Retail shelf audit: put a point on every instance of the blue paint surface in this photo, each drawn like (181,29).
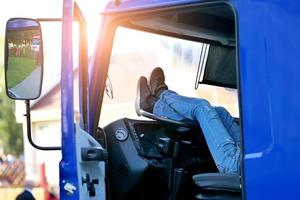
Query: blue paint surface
(131,5)
(270,71)
(68,164)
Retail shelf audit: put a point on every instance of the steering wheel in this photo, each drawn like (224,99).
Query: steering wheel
(178,125)
(166,120)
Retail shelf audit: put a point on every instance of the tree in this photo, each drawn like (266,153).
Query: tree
(11,136)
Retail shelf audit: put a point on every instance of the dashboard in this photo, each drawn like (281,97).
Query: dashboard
(145,159)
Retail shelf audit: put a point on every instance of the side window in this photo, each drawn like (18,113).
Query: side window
(136,53)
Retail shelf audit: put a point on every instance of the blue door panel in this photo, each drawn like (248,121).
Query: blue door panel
(270,70)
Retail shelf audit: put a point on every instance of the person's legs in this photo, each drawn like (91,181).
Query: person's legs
(224,150)
(229,123)
(162,109)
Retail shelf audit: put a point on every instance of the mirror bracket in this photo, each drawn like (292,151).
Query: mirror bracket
(28,122)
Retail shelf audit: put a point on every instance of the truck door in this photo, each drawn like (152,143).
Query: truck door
(82,170)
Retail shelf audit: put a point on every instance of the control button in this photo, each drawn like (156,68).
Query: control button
(121,134)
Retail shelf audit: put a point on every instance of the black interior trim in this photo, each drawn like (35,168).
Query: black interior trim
(214,83)
(174,35)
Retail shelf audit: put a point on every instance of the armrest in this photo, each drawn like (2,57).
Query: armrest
(217,181)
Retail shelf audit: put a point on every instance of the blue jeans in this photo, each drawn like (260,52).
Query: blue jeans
(221,132)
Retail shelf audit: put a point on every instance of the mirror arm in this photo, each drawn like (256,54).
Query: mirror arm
(28,120)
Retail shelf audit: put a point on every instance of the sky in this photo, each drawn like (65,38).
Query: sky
(47,9)
(28,8)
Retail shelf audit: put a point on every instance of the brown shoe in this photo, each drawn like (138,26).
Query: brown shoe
(157,81)
(144,99)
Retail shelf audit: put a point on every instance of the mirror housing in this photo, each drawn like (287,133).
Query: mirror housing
(23,59)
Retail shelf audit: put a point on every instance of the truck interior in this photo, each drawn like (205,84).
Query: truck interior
(150,157)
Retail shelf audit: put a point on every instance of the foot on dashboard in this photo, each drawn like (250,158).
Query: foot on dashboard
(144,98)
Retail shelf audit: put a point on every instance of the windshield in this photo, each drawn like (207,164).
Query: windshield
(136,53)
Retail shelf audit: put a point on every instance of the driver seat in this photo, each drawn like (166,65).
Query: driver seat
(218,186)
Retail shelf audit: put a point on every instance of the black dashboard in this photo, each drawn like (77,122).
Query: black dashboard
(152,160)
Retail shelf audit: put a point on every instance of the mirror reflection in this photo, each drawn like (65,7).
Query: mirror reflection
(24,59)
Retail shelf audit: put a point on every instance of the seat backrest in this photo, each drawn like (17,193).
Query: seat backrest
(218,186)
(218,181)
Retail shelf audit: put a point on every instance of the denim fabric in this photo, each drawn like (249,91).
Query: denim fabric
(221,132)
(229,123)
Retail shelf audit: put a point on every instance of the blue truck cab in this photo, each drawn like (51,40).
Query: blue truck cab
(242,55)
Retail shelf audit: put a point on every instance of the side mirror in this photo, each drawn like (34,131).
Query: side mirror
(24,65)
(23,59)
